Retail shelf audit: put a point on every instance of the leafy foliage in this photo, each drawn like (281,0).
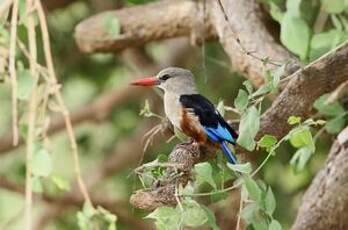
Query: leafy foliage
(298,20)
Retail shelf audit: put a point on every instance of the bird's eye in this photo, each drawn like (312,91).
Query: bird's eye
(164,77)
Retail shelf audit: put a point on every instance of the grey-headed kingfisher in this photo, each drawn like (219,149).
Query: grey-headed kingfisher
(190,112)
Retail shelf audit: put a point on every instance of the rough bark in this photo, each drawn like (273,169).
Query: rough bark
(306,85)
(166,19)
(246,38)
(325,203)
(142,24)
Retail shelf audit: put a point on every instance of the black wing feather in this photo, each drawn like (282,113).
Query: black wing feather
(205,111)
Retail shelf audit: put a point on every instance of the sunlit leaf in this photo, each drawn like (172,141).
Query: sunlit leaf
(242,168)
(166,218)
(248,128)
(253,189)
(267,141)
(301,158)
(211,218)
(294,120)
(334,6)
(61,183)
(323,108)
(25,84)
(241,102)
(248,212)
(248,86)
(335,125)
(295,35)
(41,163)
(274,225)
(301,136)
(37,185)
(193,214)
(204,173)
(269,202)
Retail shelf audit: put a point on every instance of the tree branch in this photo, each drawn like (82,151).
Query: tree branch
(242,29)
(166,19)
(325,203)
(142,24)
(306,85)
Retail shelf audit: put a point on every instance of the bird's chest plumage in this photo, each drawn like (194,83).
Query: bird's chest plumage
(173,109)
(183,119)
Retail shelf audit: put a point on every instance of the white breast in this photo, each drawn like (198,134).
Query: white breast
(172,108)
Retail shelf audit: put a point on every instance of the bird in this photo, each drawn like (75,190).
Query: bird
(190,112)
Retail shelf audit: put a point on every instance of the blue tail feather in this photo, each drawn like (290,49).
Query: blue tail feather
(228,153)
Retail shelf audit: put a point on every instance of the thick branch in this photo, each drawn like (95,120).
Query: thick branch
(316,79)
(185,156)
(325,203)
(166,19)
(142,24)
(248,24)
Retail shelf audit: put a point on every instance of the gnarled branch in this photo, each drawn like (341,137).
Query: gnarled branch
(325,203)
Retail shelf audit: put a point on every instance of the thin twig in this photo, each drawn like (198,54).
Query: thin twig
(31,120)
(12,70)
(64,110)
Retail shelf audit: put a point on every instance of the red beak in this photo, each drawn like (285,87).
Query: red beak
(149,81)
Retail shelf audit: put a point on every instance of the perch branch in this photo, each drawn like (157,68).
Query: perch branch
(325,204)
(185,155)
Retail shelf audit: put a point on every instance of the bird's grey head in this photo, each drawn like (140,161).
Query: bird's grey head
(176,80)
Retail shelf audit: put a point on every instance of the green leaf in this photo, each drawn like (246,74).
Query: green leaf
(166,218)
(322,43)
(211,218)
(276,12)
(242,168)
(294,120)
(293,7)
(112,25)
(41,163)
(25,84)
(301,136)
(37,185)
(295,35)
(261,91)
(193,215)
(61,183)
(248,86)
(267,142)
(269,202)
(249,211)
(333,6)
(204,173)
(301,158)
(335,125)
(274,225)
(323,108)
(248,128)
(241,102)
(88,209)
(253,189)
